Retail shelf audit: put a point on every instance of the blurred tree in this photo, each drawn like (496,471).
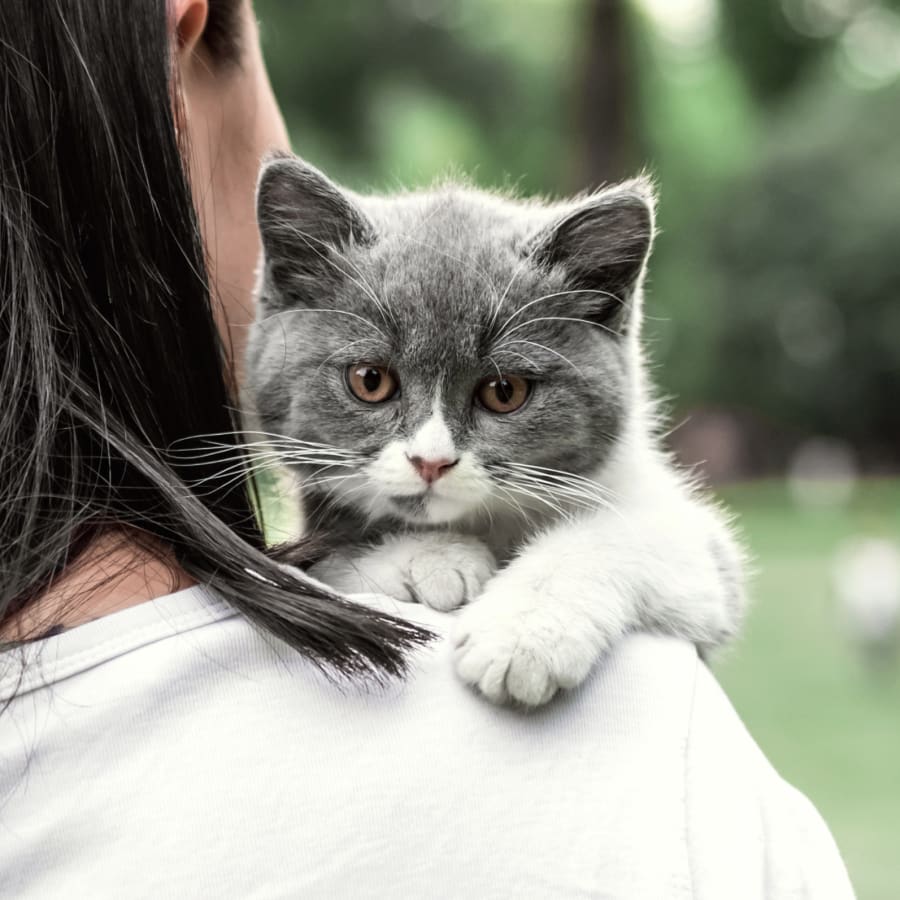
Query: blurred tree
(771,52)
(329,61)
(777,42)
(381,91)
(803,252)
(774,273)
(606,97)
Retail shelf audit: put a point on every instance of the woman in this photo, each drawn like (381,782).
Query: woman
(184,717)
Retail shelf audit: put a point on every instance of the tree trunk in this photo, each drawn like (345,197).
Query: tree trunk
(606,106)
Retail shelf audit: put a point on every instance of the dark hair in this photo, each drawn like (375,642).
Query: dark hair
(110,352)
(222,34)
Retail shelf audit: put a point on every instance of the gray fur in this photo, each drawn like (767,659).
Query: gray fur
(596,531)
(439,263)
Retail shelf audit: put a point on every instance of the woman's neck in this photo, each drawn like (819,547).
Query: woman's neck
(117,571)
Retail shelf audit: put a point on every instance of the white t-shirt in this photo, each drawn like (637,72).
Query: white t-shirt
(169,750)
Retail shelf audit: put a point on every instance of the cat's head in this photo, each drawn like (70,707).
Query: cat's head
(450,350)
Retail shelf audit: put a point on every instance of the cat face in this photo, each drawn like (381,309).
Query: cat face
(444,353)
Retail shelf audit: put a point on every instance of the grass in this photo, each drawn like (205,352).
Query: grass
(828,722)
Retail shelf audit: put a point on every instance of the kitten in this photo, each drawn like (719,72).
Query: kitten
(459,380)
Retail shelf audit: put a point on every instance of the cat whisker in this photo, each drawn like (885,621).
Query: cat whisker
(321,459)
(584,495)
(237,458)
(327,479)
(521,267)
(317,452)
(233,464)
(486,506)
(558,482)
(222,464)
(507,481)
(577,495)
(305,479)
(537,368)
(499,370)
(270,438)
(243,473)
(554,476)
(541,498)
(579,498)
(559,473)
(600,325)
(227,463)
(510,499)
(341,350)
(267,454)
(541,483)
(550,350)
(326,501)
(336,312)
(552,296)
(360,282)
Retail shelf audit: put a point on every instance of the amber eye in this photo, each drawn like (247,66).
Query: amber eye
(371,384)
(504,393)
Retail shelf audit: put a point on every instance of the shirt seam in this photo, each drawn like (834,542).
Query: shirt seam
(68,666)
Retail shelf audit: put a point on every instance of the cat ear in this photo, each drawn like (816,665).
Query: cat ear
(602,245)
(303,218)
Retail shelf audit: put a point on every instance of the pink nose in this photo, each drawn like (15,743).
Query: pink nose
(432,469)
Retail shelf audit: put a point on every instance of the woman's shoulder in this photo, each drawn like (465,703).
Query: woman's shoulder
(194,626)
(190,642)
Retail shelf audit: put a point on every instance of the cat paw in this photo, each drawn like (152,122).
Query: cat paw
(522,648)
(443,571)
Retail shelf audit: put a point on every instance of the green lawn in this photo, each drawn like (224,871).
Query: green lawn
(827,721)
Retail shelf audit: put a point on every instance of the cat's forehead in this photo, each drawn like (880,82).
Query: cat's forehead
(456,243)
(452,211)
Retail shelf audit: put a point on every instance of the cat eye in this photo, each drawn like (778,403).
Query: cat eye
(371,384)
(504,393)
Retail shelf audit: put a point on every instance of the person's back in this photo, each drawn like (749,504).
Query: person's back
(171,750)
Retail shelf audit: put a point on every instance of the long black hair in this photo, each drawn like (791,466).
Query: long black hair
(110,352)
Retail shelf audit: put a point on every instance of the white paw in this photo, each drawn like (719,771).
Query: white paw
(517,645)
(441,570)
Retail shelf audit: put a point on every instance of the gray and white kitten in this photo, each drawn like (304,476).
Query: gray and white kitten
(459,379)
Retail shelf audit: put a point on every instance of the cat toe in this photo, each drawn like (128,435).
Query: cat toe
(451,574)
(440,588)
(479,667)
(520,657)
(506,675)
(529,680)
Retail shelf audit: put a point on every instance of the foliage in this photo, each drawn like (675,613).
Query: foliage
(804,248)
(776,43)
(775,285)
(383,92)
(773,55)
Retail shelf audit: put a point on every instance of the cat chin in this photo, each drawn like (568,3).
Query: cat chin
(429,510)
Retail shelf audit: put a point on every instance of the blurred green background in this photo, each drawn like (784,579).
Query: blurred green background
(773,128)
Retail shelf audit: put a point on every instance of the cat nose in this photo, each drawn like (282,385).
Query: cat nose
(432,469)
